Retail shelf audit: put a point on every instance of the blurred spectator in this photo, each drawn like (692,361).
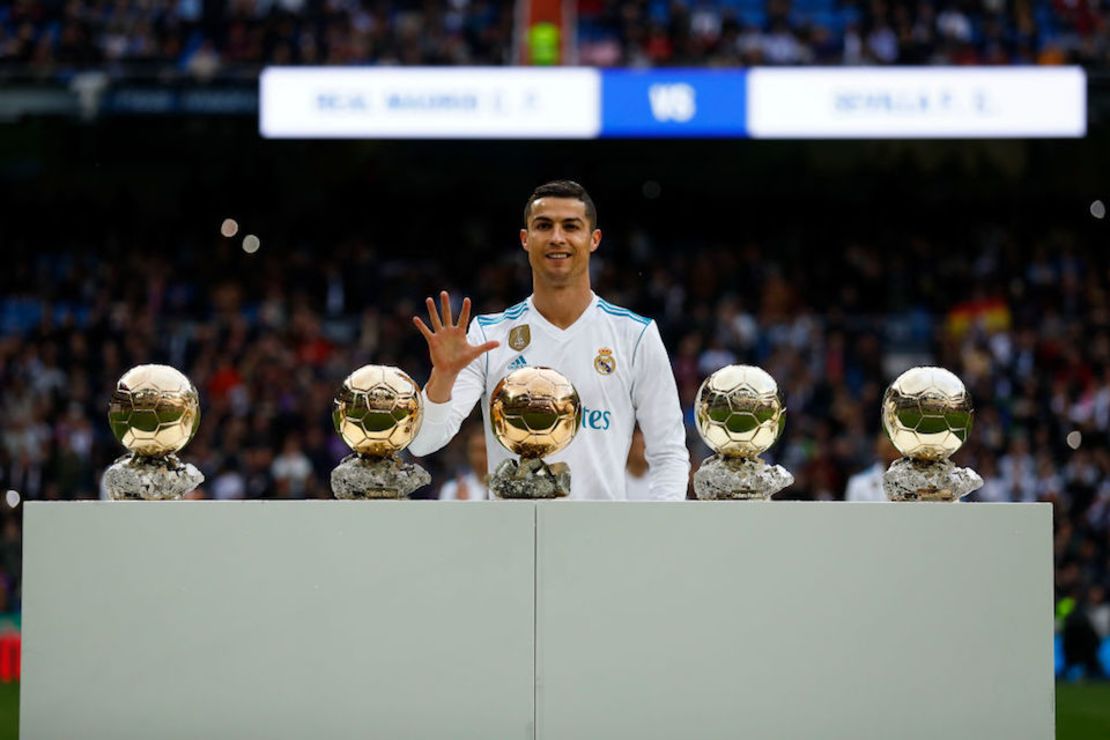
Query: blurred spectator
(229,483)
(291,469)
(1081,644)
(867,485)
(1098,611)
(470,483)
(11,563)
(1019,482)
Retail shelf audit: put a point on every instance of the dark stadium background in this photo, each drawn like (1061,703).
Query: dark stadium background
(831,264)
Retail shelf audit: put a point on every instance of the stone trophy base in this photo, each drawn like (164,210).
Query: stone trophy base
(358,477)
(739,478)
(531,478)
(922,480)
(135,477)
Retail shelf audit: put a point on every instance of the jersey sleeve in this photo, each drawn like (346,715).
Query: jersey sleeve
(659,414)
(442,420)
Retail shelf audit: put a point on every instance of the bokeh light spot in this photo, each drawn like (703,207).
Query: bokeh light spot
(1074,439)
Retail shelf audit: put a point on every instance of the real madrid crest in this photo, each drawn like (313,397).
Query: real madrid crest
(605,363)
(520,337)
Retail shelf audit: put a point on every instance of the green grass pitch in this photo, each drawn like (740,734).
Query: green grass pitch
(1082,711)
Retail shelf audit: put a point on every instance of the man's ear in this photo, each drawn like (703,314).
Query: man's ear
(524,239)
(595,240)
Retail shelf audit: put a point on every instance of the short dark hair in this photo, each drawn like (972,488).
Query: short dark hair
(562,189)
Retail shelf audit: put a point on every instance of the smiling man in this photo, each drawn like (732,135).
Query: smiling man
(614,358)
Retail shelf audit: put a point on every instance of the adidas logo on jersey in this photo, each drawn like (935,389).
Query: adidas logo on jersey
(518,363)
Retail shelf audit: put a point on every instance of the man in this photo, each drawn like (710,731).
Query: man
(614,358)
(471,485)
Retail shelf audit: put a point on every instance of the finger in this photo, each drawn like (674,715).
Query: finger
(464,313)
(445,301)
(422,327)
(433,315)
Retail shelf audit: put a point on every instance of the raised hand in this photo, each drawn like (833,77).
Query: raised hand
(448,346)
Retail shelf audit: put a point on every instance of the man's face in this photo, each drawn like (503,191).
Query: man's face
(559,240)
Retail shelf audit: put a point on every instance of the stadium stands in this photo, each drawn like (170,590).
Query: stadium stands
(832,32)
(191,39)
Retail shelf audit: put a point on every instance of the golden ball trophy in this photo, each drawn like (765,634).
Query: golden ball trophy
(534,412)
(739,413)
(154,412)
(927,413)
(377,413)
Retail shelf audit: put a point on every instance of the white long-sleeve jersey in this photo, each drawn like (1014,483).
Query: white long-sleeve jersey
(617,363)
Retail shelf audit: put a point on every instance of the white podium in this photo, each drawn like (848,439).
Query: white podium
(796,621)
(273,620)
(556,620)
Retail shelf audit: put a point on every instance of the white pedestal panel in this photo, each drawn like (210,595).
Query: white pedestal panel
(322,619)
(794,620)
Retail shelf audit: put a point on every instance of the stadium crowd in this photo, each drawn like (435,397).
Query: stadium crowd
(165,39)
(833,32)
(267,338)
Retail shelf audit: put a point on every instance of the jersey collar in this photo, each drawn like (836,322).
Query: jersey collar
(550,328)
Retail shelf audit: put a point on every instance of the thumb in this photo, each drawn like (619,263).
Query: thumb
(477,350)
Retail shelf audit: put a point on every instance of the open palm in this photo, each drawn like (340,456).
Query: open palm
(447,343)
